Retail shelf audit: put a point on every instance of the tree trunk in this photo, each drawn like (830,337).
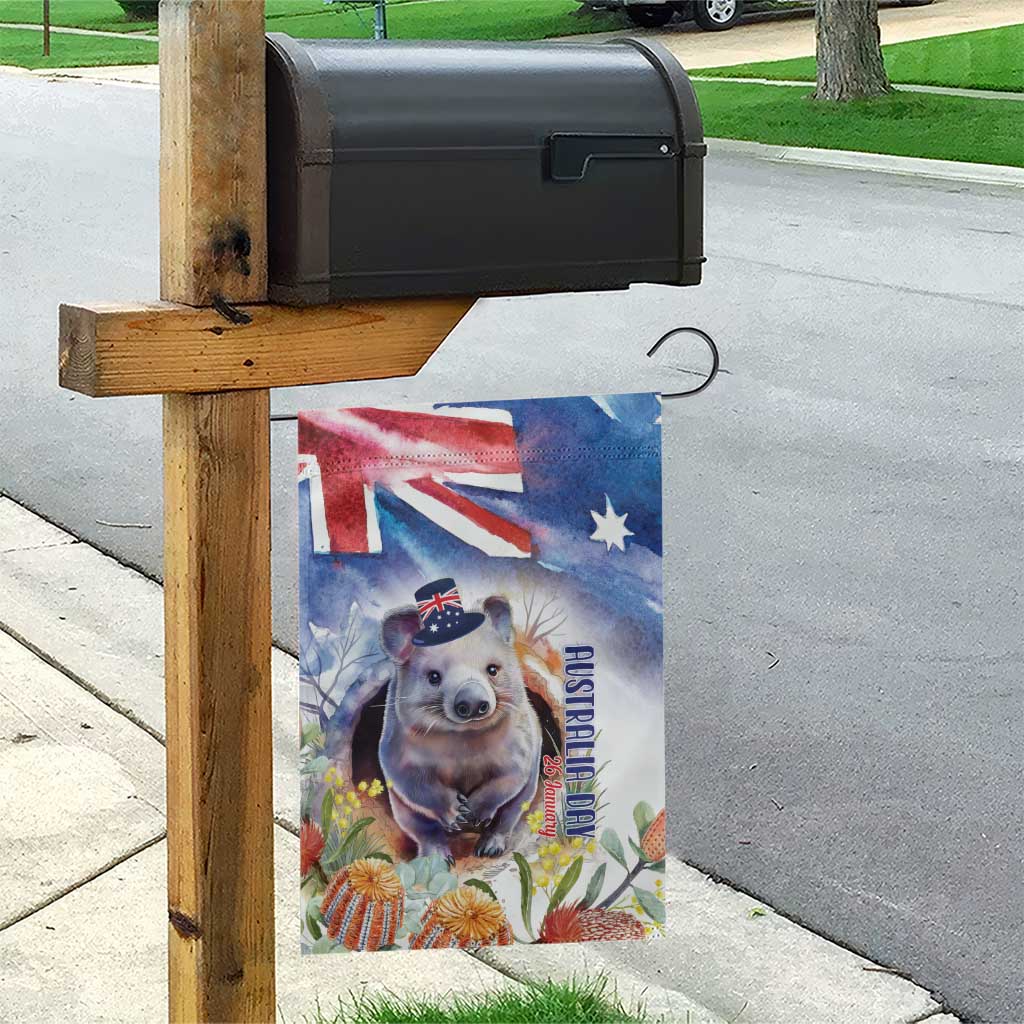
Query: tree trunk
(848,50)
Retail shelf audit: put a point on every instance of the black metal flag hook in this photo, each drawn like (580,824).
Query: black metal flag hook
(708,340)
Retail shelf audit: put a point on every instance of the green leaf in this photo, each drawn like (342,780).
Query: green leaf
(653,907)
(314,927)
(354,831)
(379,855)
(407,873)
(482,886)
(643,815)
(311,734)
(757,912)
(525,890)
(640,853)
(323,945)
(572,873)
(423,870)
(327,812)
(315,767)
(611,842)
(595,886)
(442,882)
(657,866)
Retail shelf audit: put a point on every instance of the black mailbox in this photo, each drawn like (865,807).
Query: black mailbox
(408,168)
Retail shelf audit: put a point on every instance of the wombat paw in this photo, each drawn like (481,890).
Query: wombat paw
(491,845)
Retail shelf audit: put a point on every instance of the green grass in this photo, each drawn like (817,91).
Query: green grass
(309,19)
(552,1003)
(458,19)
(992,58)
(443,19)
(105,15)
(904,124)
(24,47)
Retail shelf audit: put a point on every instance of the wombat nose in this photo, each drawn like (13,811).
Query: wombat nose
(472,701)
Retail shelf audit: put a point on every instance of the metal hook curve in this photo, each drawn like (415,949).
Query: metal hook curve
(708,340)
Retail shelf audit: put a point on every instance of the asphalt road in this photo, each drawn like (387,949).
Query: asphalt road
(843,506)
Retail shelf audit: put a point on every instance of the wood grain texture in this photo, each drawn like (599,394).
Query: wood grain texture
(216,517)
(213,217)
(110,350)
(219,752)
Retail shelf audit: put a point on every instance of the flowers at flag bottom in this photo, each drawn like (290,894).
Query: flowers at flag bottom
(572,922)
(364,904)
(466,917)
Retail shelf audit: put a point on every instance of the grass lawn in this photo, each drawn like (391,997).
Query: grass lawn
(24,47)
(586,1003)
(98,14)
(457,19)
(992,58)
(443,19)
(904,124)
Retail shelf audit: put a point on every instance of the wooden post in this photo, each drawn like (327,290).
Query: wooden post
(214,367)
(216,527)
(46,28)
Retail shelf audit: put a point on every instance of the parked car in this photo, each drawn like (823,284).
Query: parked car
(712,15)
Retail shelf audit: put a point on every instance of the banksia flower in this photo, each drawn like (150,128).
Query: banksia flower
(574,923)
(653,843)
(364,904)
(465,918)
(311,845)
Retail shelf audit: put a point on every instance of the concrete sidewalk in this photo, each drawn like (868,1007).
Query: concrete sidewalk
(82,851)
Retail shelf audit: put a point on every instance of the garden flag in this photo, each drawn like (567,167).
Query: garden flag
(481,698)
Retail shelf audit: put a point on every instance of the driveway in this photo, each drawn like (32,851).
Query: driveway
(843,535)
(778,36)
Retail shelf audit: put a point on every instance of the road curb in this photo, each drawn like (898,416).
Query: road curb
(724,953)
(884,163)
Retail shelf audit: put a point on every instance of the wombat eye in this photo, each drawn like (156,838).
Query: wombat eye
(492,670)
(434,678)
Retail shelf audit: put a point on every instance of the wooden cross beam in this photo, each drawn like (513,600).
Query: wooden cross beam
(215,375)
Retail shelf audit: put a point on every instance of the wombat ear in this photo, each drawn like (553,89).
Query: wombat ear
(397,631)
(499,611)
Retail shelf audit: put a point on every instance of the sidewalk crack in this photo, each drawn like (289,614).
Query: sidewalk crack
(50,900)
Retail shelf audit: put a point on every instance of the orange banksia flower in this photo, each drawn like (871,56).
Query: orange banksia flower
(364,904)
(311,845)
(653,843)
(465,918)
(573,923)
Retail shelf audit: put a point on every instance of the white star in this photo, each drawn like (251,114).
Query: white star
(611,528)
(433,628)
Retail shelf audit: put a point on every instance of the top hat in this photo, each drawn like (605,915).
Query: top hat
(442,617)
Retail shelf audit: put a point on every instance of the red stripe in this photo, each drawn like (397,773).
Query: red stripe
(493,524)
(345,507)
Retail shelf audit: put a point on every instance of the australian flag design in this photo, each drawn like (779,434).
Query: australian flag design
(560,492)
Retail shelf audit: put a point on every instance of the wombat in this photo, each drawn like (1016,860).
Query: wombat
(461,744)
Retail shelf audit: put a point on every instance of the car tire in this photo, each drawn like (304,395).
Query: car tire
(649,15)
(717,15)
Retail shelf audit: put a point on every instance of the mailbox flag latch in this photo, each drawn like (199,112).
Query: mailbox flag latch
(570,154)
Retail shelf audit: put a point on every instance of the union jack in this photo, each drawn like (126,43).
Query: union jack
(435,605)
(347,454)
